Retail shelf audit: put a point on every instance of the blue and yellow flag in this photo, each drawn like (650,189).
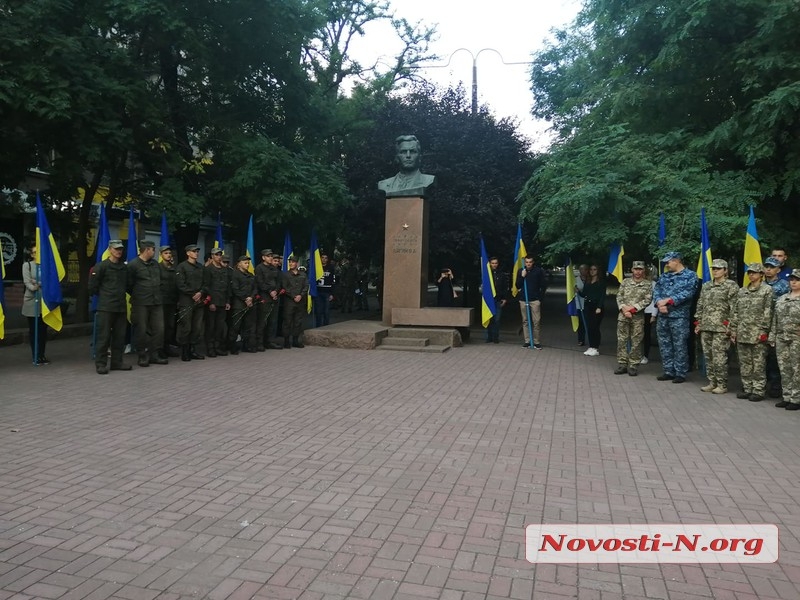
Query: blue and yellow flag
(218,241)
(2,293)
(101,249)
(704,262)
(519,260)
(488,307)
(250,247)
(132,251)
(51,270)
(615,261)
(662,230)
(315,269)
(287,251)
(572,306)
(752,249)
(164,239)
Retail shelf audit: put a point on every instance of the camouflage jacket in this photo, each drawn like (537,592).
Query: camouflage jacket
(779,287)
(786,320)
(637,294)
(716,304)
(753,314)
(681,288)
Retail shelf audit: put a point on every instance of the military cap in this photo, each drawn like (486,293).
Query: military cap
(164,248)
(292,258)
(266,252)
(755,267)
(243,257)
(638,264)
(216,251)
(718,262)
(116,244)
(672,256)
(146,244)
(191,248)
(795,274)
(226,258)
(772,262)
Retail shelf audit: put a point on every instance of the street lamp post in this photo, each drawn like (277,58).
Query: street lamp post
(474,69)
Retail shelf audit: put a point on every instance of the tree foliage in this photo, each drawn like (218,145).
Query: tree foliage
(667,107)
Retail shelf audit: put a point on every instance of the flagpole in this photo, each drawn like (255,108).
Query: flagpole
(37,298)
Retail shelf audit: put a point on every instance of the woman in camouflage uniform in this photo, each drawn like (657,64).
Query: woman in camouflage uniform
(712,319)
(785,336)
(750,331)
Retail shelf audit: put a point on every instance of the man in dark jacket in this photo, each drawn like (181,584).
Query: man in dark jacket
(109,282)
(264,303)
(243,314)
(217,284)
(189,280)
(322,303)
(169,298)
(533,281)
(295,282)
(147,314)
(500,295)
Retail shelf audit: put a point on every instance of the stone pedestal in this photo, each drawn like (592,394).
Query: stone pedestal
(405,258)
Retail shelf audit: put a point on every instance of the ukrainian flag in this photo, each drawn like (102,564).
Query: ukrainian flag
(287,251)
(164,239)
(519,259)
(615,261)
(315,269)
(704,262)
(572,306)
(132,251)
(250,248)
(752,249)
(51,270)
(218,241)
(488,307)
(101,249)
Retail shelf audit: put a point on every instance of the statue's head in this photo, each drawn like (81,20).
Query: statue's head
(409,152)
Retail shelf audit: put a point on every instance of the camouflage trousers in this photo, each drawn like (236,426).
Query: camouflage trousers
(630,330)
(752,367)
(789,363)
(715,351)
(673,344)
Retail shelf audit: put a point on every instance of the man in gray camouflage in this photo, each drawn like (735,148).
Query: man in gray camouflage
(785,335)
(750,330)
(712,322)
(635,293)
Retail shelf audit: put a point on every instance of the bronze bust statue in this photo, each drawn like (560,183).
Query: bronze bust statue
(409,181)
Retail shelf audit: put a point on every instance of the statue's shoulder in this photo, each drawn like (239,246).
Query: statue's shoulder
(427,179)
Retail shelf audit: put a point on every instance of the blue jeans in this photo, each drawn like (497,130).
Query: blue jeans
(322,309)
(493,329)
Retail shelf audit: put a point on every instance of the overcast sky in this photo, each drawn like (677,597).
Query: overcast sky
(515,28)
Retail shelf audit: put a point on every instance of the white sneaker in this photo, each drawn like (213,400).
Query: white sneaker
(644,361)
(595,352)
(588,352)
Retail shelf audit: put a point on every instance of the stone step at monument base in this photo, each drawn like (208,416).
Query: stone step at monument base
(414,342)
(428,348)
(440,336)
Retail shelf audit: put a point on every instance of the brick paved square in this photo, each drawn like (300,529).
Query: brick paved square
(329,473)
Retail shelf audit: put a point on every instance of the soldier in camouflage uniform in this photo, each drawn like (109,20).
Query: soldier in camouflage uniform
(712,321)
(785,335)
(750,330)
(780,286)
(634,295)
(673,295)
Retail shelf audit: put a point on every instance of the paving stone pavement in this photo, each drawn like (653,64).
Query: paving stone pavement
(323,474)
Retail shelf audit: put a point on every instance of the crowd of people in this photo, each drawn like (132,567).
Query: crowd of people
(761,320)
(198,309)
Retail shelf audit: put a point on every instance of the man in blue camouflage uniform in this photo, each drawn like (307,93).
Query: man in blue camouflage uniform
(673,294)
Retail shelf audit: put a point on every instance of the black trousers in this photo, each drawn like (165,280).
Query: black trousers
(216,328)
(190,323)
(243,322)
(111,328)
(293,315)
(148,322)
(32,337)
(593,320)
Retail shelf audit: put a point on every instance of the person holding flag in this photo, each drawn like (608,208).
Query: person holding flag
(108,280)
(532,282)
(30,308)
(500,281)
